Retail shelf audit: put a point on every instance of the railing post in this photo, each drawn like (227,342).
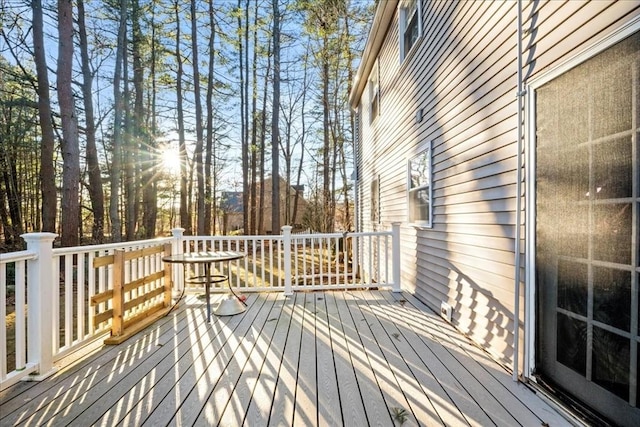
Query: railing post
(286,242)
(40,294)
(395,255)
(117,322)
(177,247)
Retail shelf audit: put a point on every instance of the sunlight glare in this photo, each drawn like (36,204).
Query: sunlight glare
(171,161)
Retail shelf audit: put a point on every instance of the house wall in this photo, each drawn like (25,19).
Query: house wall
(267,210)
(462,75)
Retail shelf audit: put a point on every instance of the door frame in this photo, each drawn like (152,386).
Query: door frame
(532,85)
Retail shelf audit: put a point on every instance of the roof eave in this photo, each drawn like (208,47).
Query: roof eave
(379,28)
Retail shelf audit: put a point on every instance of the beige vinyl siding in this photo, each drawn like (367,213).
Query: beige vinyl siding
(462,74)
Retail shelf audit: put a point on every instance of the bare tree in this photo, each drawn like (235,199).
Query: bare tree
(210,159)
(116,162)
(275,129)
(142,143)
(243,115)
(47,169)
(303,132)
(263,139)
(254,125)
(70,145)
(96,195)
(185,211)
(199,134)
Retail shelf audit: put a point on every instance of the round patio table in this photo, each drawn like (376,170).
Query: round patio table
(207,259)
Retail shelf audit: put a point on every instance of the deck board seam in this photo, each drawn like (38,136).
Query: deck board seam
(433,350)
(474,355)
(108,358)
(260,360)
(278,355)
(138,368)
(171,368)
(383,339)
(339,326)
(242,317)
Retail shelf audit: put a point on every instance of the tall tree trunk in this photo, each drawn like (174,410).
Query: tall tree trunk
(185,216)
(275,131)
(11,192)
(131,157)
(210,160)
(47,169)
(326,193)
(144,143)
(345,178)
(116,163)
(243,127)
(199,136)
(70,146)
(263,137)
(254,124)
(93,166)
(303,135)
(288,155)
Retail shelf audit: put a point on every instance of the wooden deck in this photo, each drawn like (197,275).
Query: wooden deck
(317,358)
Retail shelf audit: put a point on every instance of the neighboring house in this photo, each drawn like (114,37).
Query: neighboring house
(232,209)
(295,191)
(232,212)
(437,96)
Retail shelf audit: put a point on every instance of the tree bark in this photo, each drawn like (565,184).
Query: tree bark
(143,143)
(254,125)
(243,127)
(96,195)
(263,138)
(199,134)
(185,217)
(210,159)
(326,193)
(47,169)
(116,162)
(303,135)
(275,131)
(70,146)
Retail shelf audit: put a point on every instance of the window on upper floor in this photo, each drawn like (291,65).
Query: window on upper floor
(374,93)
(420,189)
(410,26)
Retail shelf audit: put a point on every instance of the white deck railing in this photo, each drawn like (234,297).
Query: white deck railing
(51,289)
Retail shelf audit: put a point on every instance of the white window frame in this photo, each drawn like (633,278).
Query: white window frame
(406,14)
(425,154)
(374,92)
(375,201)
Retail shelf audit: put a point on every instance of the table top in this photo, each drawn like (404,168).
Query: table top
(203,257)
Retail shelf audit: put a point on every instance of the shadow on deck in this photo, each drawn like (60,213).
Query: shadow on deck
(316,358)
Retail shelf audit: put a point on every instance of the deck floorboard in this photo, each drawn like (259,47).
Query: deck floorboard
(352,358)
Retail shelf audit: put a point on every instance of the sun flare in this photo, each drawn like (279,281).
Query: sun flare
(171,161)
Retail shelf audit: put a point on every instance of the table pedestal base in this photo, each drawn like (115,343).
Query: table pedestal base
(228,306)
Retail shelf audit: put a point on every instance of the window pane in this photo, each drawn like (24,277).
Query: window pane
(611,97)
(613,233)
(572,294)
(420,170)
(375,196)
(419,187)
(411,33)
(611,362)
(612,297)
(419,205)
(409,26)
(572,333)
(613,169)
